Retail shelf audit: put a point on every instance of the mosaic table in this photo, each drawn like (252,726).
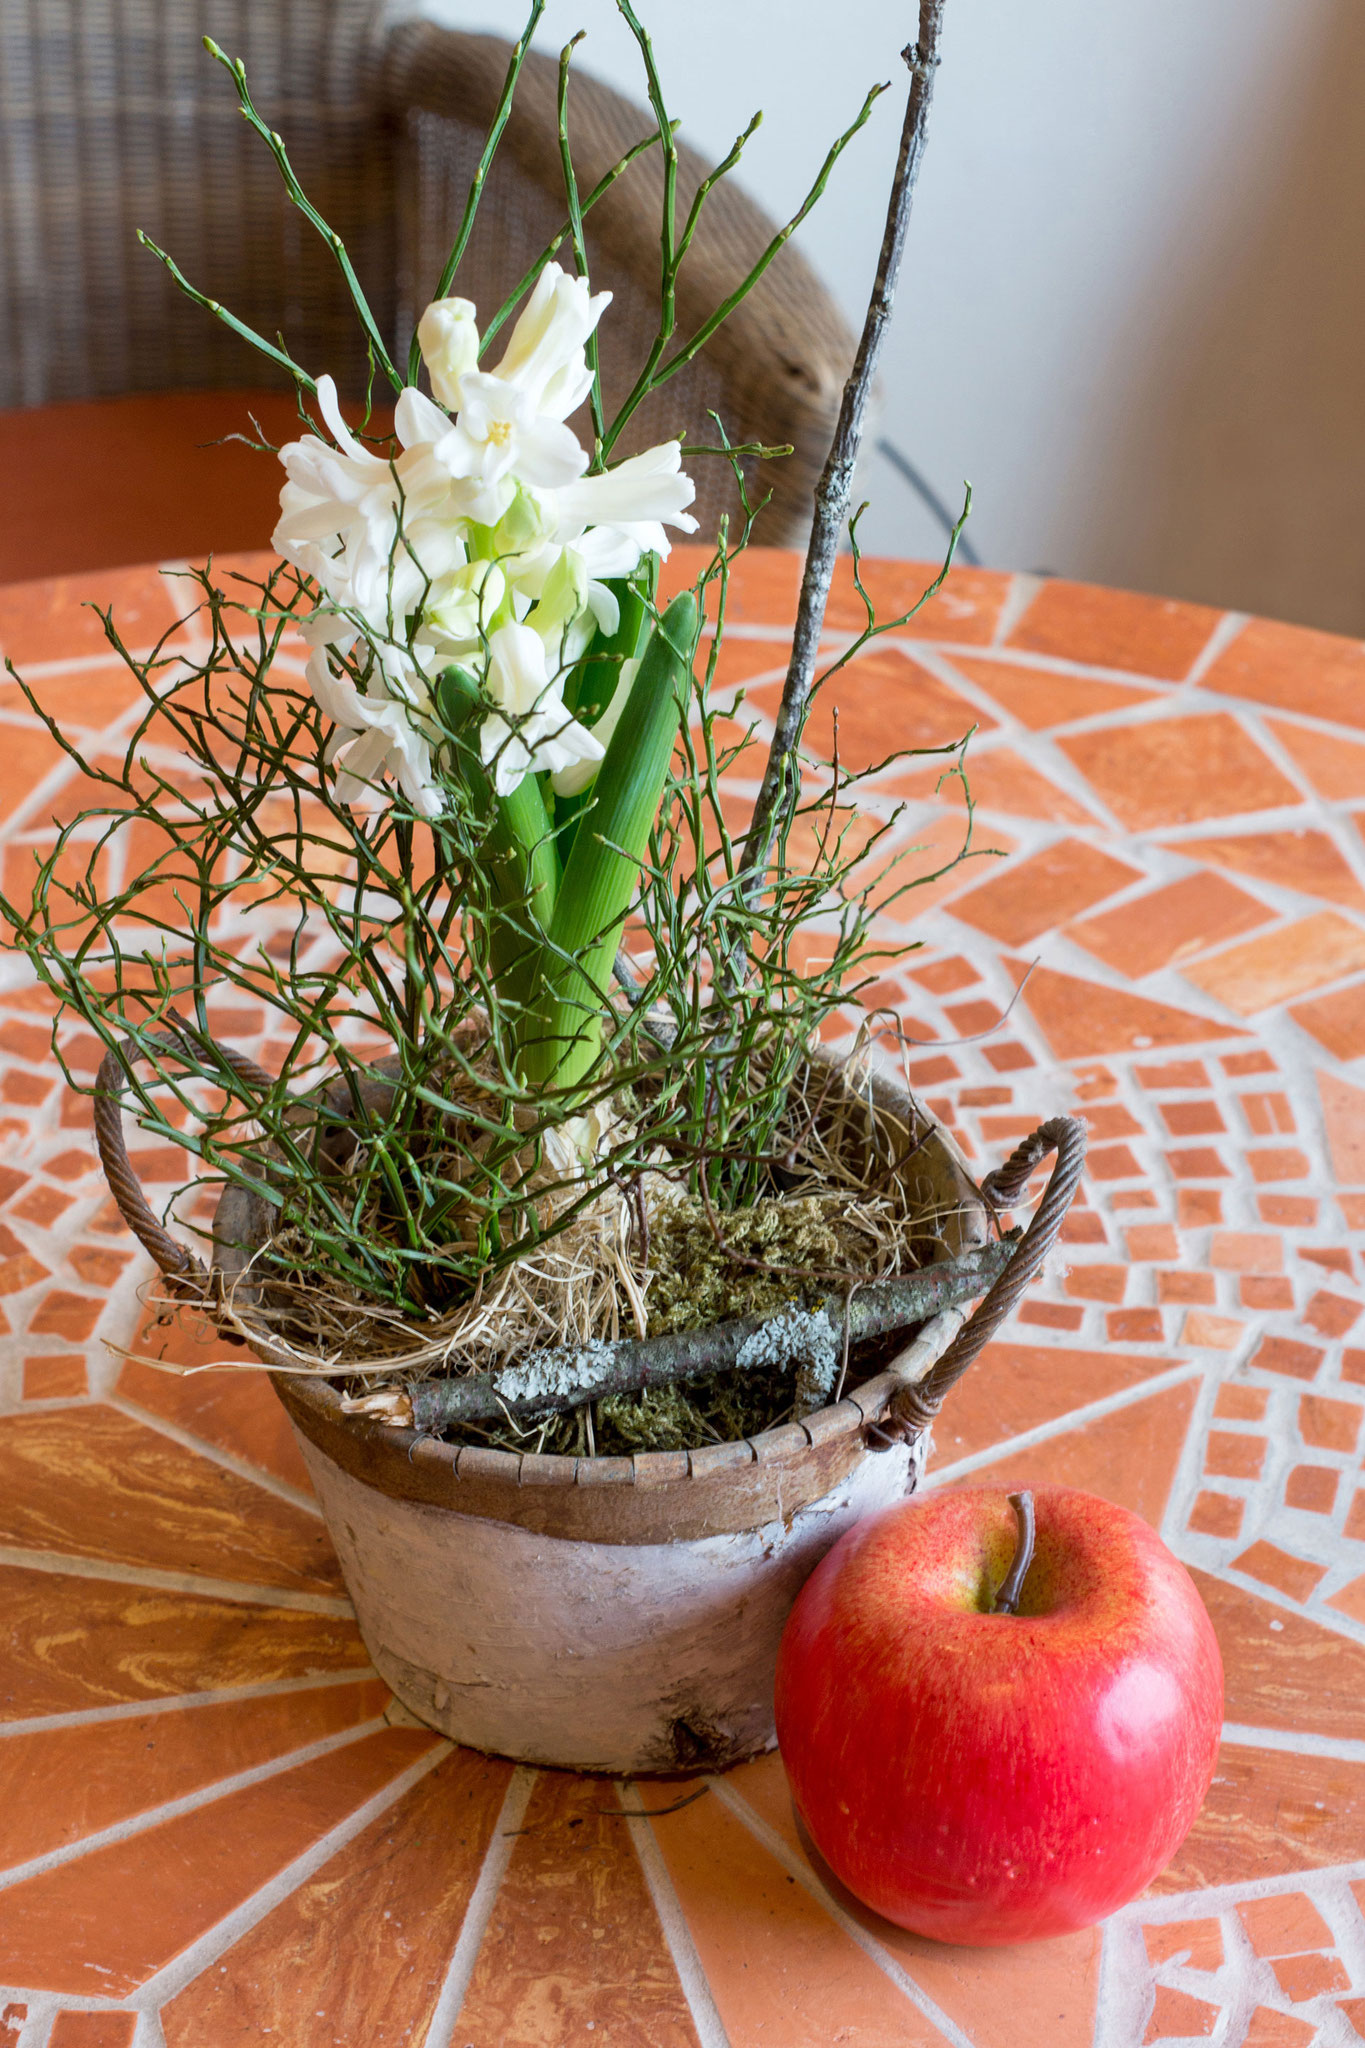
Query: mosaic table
(215,1827)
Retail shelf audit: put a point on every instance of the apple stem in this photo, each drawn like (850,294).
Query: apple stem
(1007,1599)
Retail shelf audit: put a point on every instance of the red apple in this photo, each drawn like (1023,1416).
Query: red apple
(991,1777)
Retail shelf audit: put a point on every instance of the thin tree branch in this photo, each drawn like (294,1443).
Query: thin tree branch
(834,491)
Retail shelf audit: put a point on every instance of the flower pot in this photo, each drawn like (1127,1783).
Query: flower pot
(619,1614)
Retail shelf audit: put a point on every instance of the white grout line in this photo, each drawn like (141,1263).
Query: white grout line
(217,1455)
(206,1795)
(479,1911)
(184,1702)
(798,1868)
(1298,1742)
(1023,588)
(676,1932)
(194,1960)
(1073,1418)
(1229,628)
(62,1566)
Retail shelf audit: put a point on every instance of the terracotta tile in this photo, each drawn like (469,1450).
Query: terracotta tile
(1262,972)
(90,1481)
(1303,1977)
(1275,1567)
(1169,924)
(1016,1387)
(1334,1258)
(984,1098)
(1097,1283)
(1271,2029)
(971,1019)
(741,661)
(25,1089)
(1092,1083)
(1336,1021)
(926,1073)
(1284,1162)
(1312,1488)
(1195,1287)
(1261,1290)
(97,1775)
(75,1643)
(1354,2009)
(1355,1520)
(63,1314)
(1329,1425)
(1353,1366)
(236,1409)
(1287,1355)
(1217,1514)
(999,780)
(1176,771)
(1106,1120)
(1308,862)
(1008,1057)
(1192,1119)
(1193,1944)
(1234,1403)
(1052,1315)
(1284,1925)
(12,2017)
(780,1970)
(1269,1810)
(945,977)
(1155,636)
(1230,1456)
(1246,1251)
(1040,697)
(1082,1226)
(1282,1670)
(1238,1063)
(397,1894)
(1212,1333)
(1042,1994)
(50,620)
(1294,1212)
(1021,902)
(1268,1115)
(1130,1456)
(1333,764)
(1134,1326)
(887,702)
(1147,1241)
(1176,2013)
(1113,1162)
(111,1920)
(1350,1600)
(1079,1018)
(965,610)
(58,1378)
(93,2030)
(1200,1162)
(1316,674)
(764,583)
(574,1940)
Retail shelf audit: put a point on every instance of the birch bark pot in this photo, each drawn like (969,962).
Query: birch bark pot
(621,1614)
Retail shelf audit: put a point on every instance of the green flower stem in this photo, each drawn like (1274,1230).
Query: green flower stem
(522,864)
(562,1034)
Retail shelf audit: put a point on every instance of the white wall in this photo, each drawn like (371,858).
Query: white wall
(1133,307)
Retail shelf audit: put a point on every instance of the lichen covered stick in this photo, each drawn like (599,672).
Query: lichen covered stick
(551,1382)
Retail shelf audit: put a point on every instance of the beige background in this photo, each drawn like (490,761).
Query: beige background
(1134,310)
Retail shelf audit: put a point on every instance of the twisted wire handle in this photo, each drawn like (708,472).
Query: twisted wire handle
(915,1407)
(181,1268)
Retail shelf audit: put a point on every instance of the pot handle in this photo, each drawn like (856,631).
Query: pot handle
(915,1407)
(181,1268)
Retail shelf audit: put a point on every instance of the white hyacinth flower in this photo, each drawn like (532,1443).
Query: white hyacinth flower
(532,730)
(481,541)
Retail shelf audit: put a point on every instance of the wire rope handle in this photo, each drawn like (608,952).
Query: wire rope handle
(181,1268)
(915,1407)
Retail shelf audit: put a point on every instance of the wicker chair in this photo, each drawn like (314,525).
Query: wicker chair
(112,118)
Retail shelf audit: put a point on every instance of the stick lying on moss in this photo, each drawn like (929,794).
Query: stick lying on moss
(809,1341)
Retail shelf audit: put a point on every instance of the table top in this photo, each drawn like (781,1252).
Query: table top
(214,1827)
